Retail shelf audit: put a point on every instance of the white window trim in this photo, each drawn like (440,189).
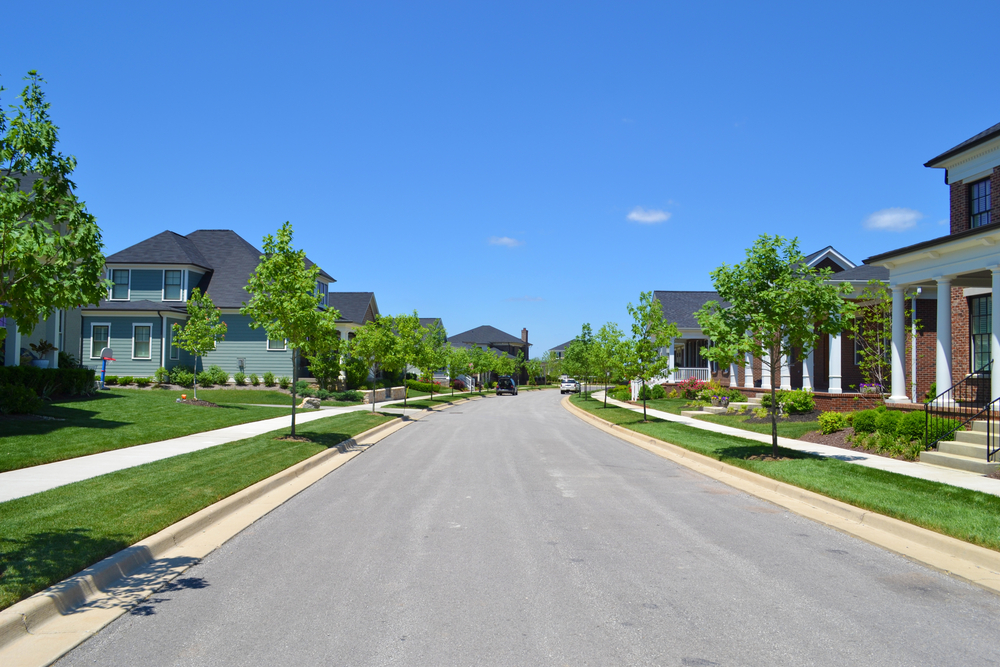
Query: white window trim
(163,291)
(98,324)
(111,291)
(267,346)
(143,324)
(169,339)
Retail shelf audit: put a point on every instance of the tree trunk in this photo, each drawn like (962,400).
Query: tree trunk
(195,385)
(774,405)
(295,365)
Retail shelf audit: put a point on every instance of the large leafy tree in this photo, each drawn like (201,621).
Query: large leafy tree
(606,354)
(201,332)
(50,246)
(642,358)
(284,300)
(778,304)
(373,347)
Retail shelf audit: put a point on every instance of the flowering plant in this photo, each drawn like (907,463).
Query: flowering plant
(874,388)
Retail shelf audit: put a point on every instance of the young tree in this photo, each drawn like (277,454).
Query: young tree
(407,348)
(534,368)
(606,353)
(325,355)
(778,304)
(373,346)
(432,353)
(50,246)
(577,360)
(871,327)
(552,365)
(202,330)
(457,362)
(284,300)
(650,334)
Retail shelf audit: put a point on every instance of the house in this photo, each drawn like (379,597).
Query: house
(560,350)
(491,338)
(61,328)
(962,267)
(151,283)
(356,309)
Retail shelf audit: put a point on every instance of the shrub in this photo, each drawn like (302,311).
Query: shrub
(162,375)
(67,360)
(797,401)
(303,388)
(939,428)
(322,394)
(219,376)
(269,379)
(181,377)
(831,422)
(65,381)
(761,413)
(254,380)
(284,382)
(886,422)
(205,379)
(865,421)
(240,379)
(672,394)
(425,386)
(458,384)
(621,393)
(18,400)
(125,380)
(911,426)
(110,380)
(347,396)
(689,388)
(142,382)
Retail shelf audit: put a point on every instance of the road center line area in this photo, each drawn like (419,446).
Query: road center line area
(511,533)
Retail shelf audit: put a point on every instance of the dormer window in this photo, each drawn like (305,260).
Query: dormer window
(980,203)
(171,285)
(119,287)
(321,289)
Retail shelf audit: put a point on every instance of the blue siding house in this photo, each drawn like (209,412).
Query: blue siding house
(151,282)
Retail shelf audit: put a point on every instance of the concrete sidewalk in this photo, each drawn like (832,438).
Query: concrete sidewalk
(27,481)
(965,480)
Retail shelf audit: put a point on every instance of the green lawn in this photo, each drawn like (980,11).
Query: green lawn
(439,399)
(967,515)
(111,420)
(253,396)
(786,429)
(671,405)
(49,536)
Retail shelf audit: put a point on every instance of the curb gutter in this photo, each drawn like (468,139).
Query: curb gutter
(44,627)
(974,564)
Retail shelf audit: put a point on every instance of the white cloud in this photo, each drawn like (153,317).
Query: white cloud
(525,298)
(505,241)
(893,219)
(648,216)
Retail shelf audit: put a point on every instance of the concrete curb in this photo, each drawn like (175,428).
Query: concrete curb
(44,627)
(974,564)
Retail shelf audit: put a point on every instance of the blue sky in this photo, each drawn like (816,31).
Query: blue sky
(516,164)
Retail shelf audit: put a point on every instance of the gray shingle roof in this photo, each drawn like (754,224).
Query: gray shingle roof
(232,260)
(971,142)
(862,273)
(562,348)
(680,307)
(353,306)
(484,335)
(106,306)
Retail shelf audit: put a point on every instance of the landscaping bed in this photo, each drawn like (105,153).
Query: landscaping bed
(49,536)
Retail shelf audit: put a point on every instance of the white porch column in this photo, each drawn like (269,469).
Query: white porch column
(670,356)
(995,339)
(786,374)
(748,372)
(765,371)
(898,377)
(733,370)
(807,371)
(835,375)
(942,375)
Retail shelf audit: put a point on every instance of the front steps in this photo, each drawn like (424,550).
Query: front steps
(966,452)
(751,403)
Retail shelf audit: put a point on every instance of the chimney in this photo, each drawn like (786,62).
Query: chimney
(524,335)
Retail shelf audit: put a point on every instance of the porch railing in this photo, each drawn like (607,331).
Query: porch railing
(681,374)
(968,401)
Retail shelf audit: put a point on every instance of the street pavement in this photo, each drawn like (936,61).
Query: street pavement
(507,532)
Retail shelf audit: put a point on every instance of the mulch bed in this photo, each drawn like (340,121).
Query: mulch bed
(839,439)
(767,458)
(191,401)
(290,438)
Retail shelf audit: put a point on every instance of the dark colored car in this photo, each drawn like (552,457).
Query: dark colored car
(505,385)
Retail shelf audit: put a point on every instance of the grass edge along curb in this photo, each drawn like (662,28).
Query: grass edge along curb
(24,619)
(975,564)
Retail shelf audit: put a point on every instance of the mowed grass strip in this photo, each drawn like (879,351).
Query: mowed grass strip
(112,420)
(439,399)
(967,515)
(49,536)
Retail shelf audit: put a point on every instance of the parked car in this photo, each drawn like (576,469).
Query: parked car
(569,386)
(506,385)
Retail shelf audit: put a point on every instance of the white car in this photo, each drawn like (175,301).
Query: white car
(569,386)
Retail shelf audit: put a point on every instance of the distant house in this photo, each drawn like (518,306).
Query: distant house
(356,309)
(491,338)
(560,350)
(151,283)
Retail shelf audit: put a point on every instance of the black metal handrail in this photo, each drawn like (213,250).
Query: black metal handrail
(992,428)
(959,405)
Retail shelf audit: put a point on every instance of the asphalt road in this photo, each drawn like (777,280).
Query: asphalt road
(507,532)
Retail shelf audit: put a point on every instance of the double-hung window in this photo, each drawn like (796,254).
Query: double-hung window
(980,203)
(275,345)
(99,338)
(171,285)
(140,341)
(119,286)
(321,289)
(981,308)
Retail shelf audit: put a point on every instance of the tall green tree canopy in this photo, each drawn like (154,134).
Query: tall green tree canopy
(284,300)
(374,345)
(778,304)
(432,353)
(50,246)
(606,353)
(642,359)
(201,332)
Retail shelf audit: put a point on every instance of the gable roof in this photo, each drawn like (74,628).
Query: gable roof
(833,256)
(232,260)
(862,273)
(680,307)
(485,335)
(971,142)
(562,348)
(357,307)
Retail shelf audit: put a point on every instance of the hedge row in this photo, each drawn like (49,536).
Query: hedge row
(49,381)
